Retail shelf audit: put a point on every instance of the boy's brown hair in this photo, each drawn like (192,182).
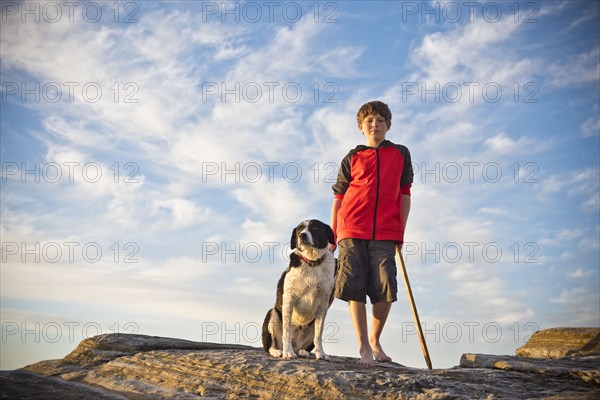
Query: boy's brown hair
(375,107)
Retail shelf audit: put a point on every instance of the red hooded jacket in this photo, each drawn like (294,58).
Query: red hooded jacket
(371,182)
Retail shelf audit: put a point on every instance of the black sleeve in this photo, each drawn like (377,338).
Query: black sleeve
(407,170)
(344,176)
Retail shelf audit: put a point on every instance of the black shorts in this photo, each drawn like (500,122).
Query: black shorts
(367,268)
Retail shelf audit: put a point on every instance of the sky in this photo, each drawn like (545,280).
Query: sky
(157,155)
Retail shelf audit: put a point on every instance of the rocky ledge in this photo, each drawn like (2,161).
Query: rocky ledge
(121,366)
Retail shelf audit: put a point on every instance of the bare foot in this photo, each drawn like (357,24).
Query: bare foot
(366,358)
(379,354)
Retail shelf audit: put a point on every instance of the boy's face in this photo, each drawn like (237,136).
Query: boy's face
(374,127)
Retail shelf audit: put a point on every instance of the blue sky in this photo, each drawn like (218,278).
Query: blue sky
(156,156)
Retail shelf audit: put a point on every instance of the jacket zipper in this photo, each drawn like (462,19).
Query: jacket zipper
(376,195)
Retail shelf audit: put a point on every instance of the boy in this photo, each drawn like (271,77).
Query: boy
(370,208)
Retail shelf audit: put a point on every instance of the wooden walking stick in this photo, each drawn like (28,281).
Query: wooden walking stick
(413,306)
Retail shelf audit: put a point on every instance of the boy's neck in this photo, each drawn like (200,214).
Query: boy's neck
(374,143)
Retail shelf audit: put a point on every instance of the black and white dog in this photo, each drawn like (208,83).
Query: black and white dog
(304,293)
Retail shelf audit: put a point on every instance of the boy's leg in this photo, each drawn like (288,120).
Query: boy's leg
(351,286)
(358,314)
(383,288)
(380,314)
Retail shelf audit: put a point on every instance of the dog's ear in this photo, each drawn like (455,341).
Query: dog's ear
(330,235)
(293,240)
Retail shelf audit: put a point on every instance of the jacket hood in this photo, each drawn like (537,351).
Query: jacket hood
(361,147)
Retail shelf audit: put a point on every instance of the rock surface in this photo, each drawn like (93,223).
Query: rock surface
(120,366)
(562,342)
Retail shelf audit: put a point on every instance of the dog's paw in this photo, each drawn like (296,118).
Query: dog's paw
(303,353)
(276,353)
(288,355)
(321,356)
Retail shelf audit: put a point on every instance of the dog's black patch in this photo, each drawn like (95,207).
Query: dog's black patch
(295,260)
(315,227)
(266,336)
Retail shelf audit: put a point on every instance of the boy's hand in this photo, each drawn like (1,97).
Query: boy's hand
(331,247)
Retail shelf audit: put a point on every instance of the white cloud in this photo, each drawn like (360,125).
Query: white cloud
(582,69)
(549,8)
(346,56)
(478,289)
(503,144)
(565,237)
(581,183)
(470,53)
(581,273)
(180,271)
(498,211)
(267,63)
(587,13)
(149,85)
(334,131)
(278,205)
(183,212)
(591,127)
(139,289)
(74,133)
(569,234)
(580,304)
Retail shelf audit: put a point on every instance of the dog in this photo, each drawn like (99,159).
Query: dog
(294,326)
